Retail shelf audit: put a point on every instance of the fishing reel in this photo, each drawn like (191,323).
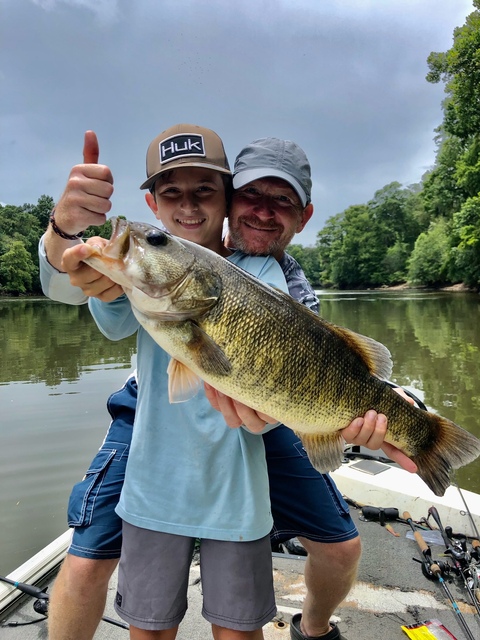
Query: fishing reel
(445,569)
(41,606)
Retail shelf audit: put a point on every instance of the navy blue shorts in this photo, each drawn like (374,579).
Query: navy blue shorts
(304,502)
(91,508)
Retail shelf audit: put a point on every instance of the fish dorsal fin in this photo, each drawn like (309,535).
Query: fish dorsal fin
(183,384)
(375,355)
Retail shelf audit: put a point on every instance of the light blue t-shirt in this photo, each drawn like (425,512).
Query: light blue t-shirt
(188,473)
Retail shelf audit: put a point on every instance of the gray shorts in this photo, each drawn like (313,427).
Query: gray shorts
(237,581)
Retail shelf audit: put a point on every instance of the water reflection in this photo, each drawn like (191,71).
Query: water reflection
(434,341)
(56,373)
(42,341)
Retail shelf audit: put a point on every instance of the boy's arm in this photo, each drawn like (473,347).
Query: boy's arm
(55,284)
(108,304)
(84,202)
(114,319)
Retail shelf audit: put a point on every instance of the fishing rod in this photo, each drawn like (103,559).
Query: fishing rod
(458,553)
(469,513)
(436,571)
(41,603)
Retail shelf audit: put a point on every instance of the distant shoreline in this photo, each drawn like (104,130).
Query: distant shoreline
(460,287)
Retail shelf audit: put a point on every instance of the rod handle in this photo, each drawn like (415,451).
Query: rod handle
(435,569)
(416,534)
(26,588)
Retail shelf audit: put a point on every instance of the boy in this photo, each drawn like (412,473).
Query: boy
(188,475)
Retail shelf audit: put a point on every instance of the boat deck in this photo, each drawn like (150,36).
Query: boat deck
(391,591)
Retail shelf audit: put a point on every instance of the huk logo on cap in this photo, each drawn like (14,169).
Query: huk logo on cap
(181,146)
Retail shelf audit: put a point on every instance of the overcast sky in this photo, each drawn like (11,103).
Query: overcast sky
(343,78)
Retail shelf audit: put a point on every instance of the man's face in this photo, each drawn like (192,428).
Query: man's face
(191,204)
(265,215)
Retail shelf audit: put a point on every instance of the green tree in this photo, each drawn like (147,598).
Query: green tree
(16,269)
(467,173)
(329,240)
(309,260)
(441,194)
(351,249)
(104,231)
(395,263)
(455,182)
(459,68)
(465,255)
(42,211)
(429,260)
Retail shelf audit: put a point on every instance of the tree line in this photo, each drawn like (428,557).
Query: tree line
(20,230)
(427,234)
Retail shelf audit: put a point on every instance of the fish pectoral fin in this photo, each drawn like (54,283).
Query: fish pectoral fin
(208,356)
(324,450)
(183,383)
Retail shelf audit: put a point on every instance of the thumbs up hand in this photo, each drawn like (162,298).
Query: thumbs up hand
(86,199)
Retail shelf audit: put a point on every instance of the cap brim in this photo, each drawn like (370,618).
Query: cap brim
(242,178)
(178,165)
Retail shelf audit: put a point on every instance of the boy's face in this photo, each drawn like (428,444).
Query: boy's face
(190,202)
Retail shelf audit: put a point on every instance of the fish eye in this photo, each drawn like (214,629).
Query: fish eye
(156,238)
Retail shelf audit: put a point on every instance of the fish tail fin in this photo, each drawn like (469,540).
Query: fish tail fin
(325,451)
(451,447)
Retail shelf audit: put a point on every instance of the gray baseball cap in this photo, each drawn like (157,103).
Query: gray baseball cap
(272,157)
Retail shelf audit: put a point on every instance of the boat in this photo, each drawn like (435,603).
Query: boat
(366,477)
(393,590)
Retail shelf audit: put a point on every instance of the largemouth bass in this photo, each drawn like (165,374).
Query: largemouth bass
(259,346)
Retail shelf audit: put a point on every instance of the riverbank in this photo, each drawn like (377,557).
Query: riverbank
(459,287)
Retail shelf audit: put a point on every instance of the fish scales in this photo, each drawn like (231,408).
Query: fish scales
(313,360)
(264,349)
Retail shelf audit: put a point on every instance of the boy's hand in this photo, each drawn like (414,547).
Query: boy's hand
(86,199)
(91,282)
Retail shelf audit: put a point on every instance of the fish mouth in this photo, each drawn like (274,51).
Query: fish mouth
(124,246)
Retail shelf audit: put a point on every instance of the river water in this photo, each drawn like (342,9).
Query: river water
(57,370)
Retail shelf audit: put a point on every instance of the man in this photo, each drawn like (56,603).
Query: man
(269,207)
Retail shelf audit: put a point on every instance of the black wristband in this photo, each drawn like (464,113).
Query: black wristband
(61,233)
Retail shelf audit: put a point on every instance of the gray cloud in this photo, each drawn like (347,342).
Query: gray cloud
(344,79)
